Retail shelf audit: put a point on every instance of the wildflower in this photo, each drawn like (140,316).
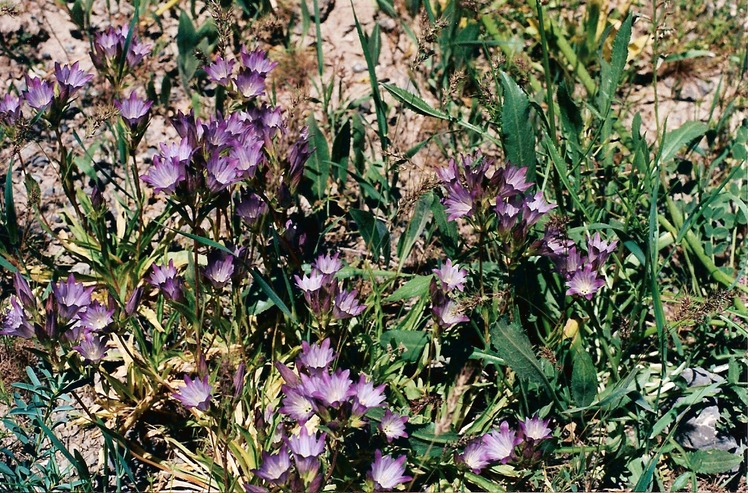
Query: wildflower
(137,52)
(599,250)
(132,303)
(297,157)
(250,84)
(92,348)
(257,61)
(388,472)
(499,444)
(70,79)
(508,215)
(39,93)
(23,291)
(308,469)
(182,152)
(451,276)
(448,314)
(334,389)
(133,109)
(296,405)
(347,305)
(366,396)
(219,270)
(275,467)
(449,173)
(71,297)
(328,265)
(458,202)
(220,71)
(584,282)
(310,283)
(247,156)
(15,323)
(165,278)
(393,426)
(222,172)
(475,456)
(251,208)
(534,209)
(306,445)
(195,393)
(10,109)
(165,174)
(317,357)
(511,181)
(97,317)
(534,429)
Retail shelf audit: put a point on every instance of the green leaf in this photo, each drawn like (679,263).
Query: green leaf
(519,134)
(610,73)
(414,288)
(512,345)
(411,342)
(373,231)
(318,166)
(341,150)
(268,290)
(414,102)
(11,219)
(713,461)
(421,215)
(583,378)
(674,140)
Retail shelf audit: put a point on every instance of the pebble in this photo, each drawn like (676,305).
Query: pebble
(387,24)
(359,67)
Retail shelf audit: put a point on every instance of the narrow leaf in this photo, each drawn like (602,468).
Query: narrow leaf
(674,140)
(519,135)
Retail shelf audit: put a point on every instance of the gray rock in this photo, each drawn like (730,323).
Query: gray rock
(387,24)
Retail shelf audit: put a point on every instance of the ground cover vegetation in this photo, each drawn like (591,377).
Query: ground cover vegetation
(546,290)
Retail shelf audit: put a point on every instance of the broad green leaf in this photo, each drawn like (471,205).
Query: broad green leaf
(416,287)
(421,215)
(610,73)
(583,378)
(414,102)
(516,126)
(411,342)
(341,150)
(713,461)
(675,139)
(512,345)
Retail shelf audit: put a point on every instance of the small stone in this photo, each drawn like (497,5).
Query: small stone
(358,67)
(387,24)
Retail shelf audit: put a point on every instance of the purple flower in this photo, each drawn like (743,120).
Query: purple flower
(182,152)
(511,181)
(499,444)
(328,265)
(220,71)
(39,93)
(317,357)
(195,393)
(274,468)
(311,283)
(534,209)
(92,348)
(133,109)
(366,396)
(138,51)
(10,109)
(297,405)
(297,157)
(222,172)
(71,297)
(334,389)
(219,270)
(448,314)
(70,79)
(598,250)
(534,429)
(308,469)
(458,202)
(15,322)
(388,472)
(569,264)
(451,276)
(251,208)
(508,215)
(584,282)
(257,61)
(475,456)
(165,174)
(23,291)
(393,426)
(247,156)
(97,317)
(307,445)
(250,84)
(165,278)
(347,305)
(449,173)
(132,303)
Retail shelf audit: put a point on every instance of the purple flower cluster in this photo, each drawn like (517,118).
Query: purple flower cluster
(195,393)
(109,55)
(503,445)
(444,306)
(323,293)
(166,279)
(475,185)
(248,81)
(583,274)
(69,314)
(316,390)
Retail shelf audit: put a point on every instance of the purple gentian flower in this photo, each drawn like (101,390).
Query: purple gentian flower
(508,215)
(92,348)
(366,396)
(297,157)
(475,456)
(250,84)
(97,317)
(599,250)
(137,52)
(316,357)
(251,208)
(219,270)
(534,209)
(534,429)
(220,71)
(449,173)
(311,283)
(388,472)
(297,405)
(71,297)
(458,202)
(71,79)
(393,426)
(195,393)
(307,445)
(499,444)
(451,276)
(585,283)
(274,468)
(15,322)
(347,305)
(449,313)
(511,181)
(10,109)
(328,265)
(165,174)
(23,291)
(257,61)
(133,109)
(39,93)
(247,156)
(165,278)
(222,172)
(334,389)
